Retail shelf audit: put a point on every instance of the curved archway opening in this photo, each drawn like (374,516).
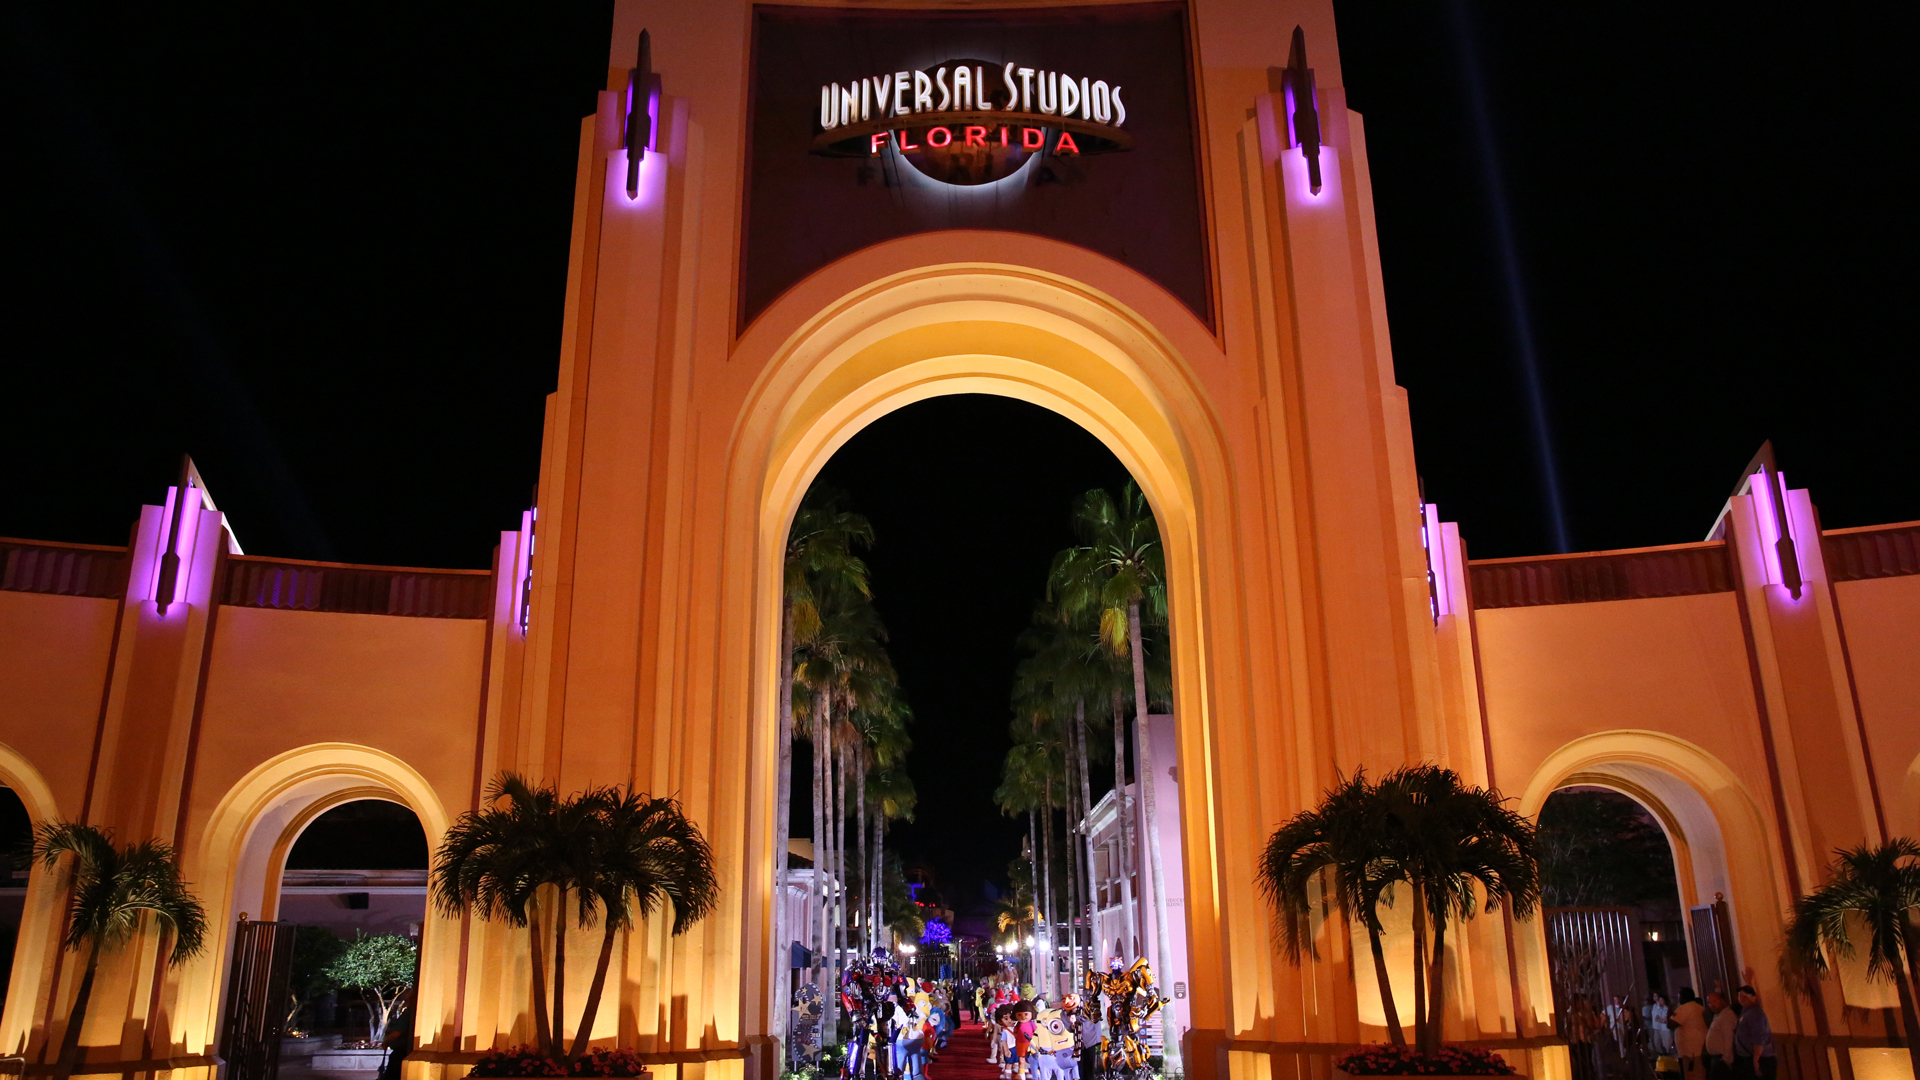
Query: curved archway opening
(242,862)
(1616,928)
(1722,867)
(16,829)
(356,870)
(987,879)
(1005,333)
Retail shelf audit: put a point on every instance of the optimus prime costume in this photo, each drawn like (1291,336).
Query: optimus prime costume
(894,1022)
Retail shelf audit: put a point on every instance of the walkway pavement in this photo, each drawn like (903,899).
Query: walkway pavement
(965,1057)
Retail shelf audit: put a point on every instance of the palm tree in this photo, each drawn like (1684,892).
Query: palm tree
(881,721)
(1063,669)
(1119,570)
(1453,843)
(614,851)
(646,855)
(892,793)
(819,558)
(1878,889)
(114,890)
(495,861)
(1338,839)
(1022,779)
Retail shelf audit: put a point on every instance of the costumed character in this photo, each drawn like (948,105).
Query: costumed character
(904,1036)
(1023,1031)
(1072,1022)
(1130,1002)
(1004,1041)
(1053,1046)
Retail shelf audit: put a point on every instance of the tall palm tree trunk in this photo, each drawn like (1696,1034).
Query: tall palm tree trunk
(1148,779)
(1033,899)
(782,829)
(77,1019)
(1437,988)
(879,901)
(584,1036)
(536,945)
(1385,979)
(829,988)
(860,828)
(842,924)
(1419,968)
(817,892)
(1904,982)
(1086,816)
(559,1017)
(1046,877)
(1121,813)
(1068,834)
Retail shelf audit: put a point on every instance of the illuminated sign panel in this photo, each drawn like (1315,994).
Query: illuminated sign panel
(1073,123)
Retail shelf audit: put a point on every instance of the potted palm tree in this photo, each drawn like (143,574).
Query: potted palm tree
(1871,890)
(115,891)
(1451,845)
(600,856)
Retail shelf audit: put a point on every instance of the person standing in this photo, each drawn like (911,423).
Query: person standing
(1719,1042)
(1754,1055)
(1689,1023)
(1655,1013)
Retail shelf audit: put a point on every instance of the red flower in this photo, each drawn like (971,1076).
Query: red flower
(1384,1060)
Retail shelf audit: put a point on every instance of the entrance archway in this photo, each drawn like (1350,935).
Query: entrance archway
(36,938)
(832,364)
(1718,837)
(243,854)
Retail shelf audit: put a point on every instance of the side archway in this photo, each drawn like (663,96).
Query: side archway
(242,851)
(1720,840)
(31,980)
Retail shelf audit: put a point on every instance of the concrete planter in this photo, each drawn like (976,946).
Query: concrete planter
(308,1046)
(338,1060)
(1342,1074)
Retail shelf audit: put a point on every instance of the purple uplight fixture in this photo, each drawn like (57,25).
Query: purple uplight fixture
(643,98)
(1303,111)
(1769,488)
(166,583)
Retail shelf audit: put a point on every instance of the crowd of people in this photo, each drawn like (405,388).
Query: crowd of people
(899,1026)
(1714,1039)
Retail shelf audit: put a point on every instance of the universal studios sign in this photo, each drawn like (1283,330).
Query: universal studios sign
(970,121)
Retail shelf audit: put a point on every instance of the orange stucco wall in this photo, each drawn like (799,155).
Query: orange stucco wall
(1278,455)
(1677,665)
(1882,622)
(282,679)
(53,664)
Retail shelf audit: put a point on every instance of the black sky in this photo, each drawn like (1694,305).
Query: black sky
(324,249)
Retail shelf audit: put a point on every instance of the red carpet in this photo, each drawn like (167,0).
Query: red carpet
(965,1057)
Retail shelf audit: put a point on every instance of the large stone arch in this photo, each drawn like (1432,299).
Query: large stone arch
(1720,838)
(829,364)
(237,862)
(31,980)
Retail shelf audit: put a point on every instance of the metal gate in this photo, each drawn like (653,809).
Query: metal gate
(1594,955)
(257,999)
(1714,964)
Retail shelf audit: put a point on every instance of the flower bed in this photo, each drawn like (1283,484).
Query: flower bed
(526,1061)
(1382,1059)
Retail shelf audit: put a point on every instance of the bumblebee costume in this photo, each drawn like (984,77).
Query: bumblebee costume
(1131,1001)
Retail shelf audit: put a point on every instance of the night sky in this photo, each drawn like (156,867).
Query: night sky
(324,248)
